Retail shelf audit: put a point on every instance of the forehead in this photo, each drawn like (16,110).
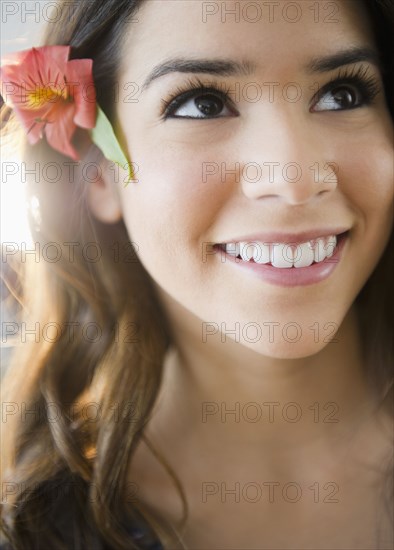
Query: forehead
(265,33)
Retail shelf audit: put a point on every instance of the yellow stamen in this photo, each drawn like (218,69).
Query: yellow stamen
(38,97)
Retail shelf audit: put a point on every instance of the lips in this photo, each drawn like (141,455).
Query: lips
(307,272)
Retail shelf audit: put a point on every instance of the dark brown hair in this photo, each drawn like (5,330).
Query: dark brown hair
(86,462)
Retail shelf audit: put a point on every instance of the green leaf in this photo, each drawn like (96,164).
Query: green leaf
(104,137)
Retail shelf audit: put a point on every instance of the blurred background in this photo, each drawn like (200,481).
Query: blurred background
(21,25)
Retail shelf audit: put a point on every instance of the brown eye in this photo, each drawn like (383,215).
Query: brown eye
(209,105)
(344,97)
(200,103)
(339,98)
(346,92)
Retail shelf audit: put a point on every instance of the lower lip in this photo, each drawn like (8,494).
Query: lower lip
(292,276)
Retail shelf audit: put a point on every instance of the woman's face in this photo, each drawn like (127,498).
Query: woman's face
(302,148)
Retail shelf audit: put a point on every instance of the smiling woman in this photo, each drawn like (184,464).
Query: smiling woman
(220,374)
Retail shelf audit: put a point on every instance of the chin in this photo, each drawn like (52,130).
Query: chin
(288,350)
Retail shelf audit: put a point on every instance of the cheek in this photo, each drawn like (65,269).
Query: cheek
(169,211)
(366,182)
(366,179)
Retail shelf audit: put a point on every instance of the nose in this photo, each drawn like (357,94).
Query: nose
(286,157)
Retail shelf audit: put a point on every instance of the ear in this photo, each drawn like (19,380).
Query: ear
(102,195)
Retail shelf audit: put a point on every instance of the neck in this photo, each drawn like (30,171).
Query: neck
(227,388)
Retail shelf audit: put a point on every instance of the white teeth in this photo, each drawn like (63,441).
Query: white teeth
(246,250)
(232,249)
(283,255)
(304,255)
(320,250)
(262,253)
(330,246)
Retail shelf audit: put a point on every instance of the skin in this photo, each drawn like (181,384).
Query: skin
(170,213)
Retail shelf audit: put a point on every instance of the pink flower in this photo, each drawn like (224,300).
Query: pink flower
(50,95)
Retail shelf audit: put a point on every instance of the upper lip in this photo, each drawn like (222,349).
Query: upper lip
(272,237)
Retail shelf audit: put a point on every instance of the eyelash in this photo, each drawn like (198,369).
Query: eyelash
(192,88)
(368,86)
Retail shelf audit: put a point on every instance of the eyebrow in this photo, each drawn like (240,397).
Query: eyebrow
(226,67)
(345,57)
(219,67)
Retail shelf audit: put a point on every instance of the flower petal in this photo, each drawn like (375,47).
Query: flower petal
(12,93)
(59,54)
(51,95)
(60,132)
(37,70)
(46,65)
(79,75)
(32,127)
